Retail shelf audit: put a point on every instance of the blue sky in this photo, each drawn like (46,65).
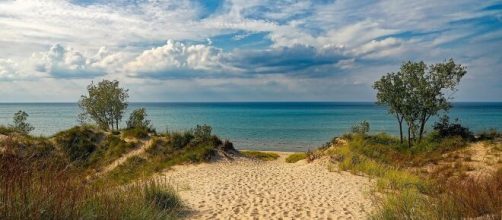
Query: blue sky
(241,50)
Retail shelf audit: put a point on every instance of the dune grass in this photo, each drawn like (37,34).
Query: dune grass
(41,188)
(411,195)
(260,155)
(293,158)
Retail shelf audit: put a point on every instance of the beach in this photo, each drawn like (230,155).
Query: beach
(243,188)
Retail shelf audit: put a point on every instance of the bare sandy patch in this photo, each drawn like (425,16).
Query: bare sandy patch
(248,189)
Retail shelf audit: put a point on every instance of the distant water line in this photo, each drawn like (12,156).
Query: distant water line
(286,126)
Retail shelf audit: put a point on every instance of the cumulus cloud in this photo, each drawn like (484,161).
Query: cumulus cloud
(61,62)
(248,41)
(8,69)
(176,60)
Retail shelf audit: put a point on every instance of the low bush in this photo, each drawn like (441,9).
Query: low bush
(445,128)
(261,155)
(181,139)
(293,158)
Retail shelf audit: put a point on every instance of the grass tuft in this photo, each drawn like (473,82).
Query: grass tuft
(293,158)
(261,155)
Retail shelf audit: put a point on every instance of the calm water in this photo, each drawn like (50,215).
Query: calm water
(262,126)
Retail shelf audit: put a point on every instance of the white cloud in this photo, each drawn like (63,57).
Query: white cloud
(176,57)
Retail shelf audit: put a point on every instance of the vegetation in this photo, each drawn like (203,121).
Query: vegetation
(38,183)
(261,155)
(293,158)
(445,128)
(20,123)
(417,92)
(362,127)
(137,119)
(105,104)
(446,192)
(192,146)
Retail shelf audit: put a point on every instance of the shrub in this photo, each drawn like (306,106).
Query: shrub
(137,119)
(293,158)
(201,133)
(445,128)
(20,122)
(260,155)
(181,140)
(490,134)
(362,127)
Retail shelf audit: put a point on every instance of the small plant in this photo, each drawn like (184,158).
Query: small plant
(293,158)
(20,123)
(362,128)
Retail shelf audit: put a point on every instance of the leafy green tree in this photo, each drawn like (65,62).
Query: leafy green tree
(137,119)
(417,92)
(20,122)
(105,104)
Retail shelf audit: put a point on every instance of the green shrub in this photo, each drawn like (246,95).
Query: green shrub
(445,128)
(181,140)
(293,158)
(260,155)
(201,133)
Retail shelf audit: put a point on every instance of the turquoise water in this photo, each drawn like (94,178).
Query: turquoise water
(287,126)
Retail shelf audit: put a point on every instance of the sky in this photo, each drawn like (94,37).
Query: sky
(241,50)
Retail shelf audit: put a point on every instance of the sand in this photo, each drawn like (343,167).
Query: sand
(248,189)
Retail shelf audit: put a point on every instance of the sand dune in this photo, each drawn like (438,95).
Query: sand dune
(247,189)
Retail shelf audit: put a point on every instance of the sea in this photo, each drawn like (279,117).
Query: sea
(280,126)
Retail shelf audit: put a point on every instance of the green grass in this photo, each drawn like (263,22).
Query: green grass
(260,155)
(293,158)
(41,188)
(409,195)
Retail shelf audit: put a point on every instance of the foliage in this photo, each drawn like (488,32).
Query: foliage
(137,119)
(445,128)
(417,92)
(105,104)
(202,133)
(78,143)
(293,158)
(362,127)
(181,139)
(20,123)
(261,155)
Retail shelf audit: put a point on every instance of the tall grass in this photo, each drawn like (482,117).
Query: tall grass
(42,189)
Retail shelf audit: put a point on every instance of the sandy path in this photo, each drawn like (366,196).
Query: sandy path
(245,189)
(141,149)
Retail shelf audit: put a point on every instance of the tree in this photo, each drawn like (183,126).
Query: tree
(417,92)
(137,119)
(20,122)
(105,104)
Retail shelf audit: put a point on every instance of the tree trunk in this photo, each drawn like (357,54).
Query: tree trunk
(409,136)
(400,120)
